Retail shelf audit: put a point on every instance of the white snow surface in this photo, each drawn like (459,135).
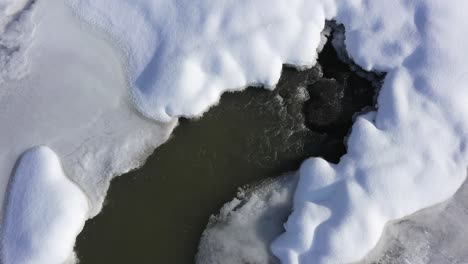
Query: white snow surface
(248,223)
(45,211)
(410,154)
(183,54)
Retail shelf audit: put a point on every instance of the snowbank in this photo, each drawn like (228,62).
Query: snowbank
(408,155)
(45,211)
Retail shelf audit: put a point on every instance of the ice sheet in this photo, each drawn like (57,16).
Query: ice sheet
(75,100)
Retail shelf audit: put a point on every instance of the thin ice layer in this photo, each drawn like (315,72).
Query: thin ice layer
(75,100)
(16,31)
(45,211)
(245,226)
(408,155)
(432,236)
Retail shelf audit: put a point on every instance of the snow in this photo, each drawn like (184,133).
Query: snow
(74,99)
(181,55)
(247,224)
(9,9)
(45,211)
(408,155)
(431,236)
(16,31)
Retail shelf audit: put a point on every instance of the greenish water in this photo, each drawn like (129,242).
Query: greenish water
(156,214)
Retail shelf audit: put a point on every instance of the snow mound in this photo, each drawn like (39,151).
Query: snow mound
(182,55)
(410,154)
(45,211)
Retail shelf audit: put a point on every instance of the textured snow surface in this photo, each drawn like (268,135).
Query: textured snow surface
(9,9)
(75,100)
(183,54)
(408,155)
(15,36)
(45,211)
(432,236)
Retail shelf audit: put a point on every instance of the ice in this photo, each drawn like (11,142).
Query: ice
(182,55)
(246,226)
(409,155)
(74,99)
(45,211)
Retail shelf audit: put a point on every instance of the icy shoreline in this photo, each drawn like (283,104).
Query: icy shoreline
(410,154)
(393,167)
(433,235)
(73,99)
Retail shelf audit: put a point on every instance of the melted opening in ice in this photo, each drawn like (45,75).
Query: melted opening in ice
(162,208)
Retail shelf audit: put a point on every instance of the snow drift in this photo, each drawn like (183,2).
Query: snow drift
(45,211)
(74,99)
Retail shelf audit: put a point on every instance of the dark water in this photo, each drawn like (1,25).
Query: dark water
(156,214)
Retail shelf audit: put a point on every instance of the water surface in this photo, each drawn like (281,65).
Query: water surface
(157,214)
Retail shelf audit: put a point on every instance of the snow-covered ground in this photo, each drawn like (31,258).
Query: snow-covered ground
(181,55)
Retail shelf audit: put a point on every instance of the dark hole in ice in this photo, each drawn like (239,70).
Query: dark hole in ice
(156,214)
